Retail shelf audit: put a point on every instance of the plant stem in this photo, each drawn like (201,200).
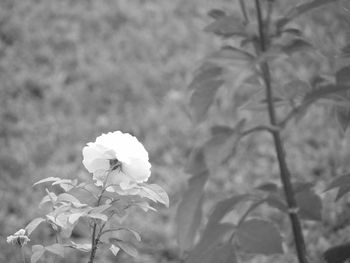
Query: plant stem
(284,171)
(94,240)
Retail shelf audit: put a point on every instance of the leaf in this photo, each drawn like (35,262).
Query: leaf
(66,184)
(125,246)
(64,197)
(100,216)
(209,243)
(301,9)
(259,237)
(100,208)
(268,187)
(49,179)
(189,212)
(343,185)
(196,162)
(225,206)
(114,249)
(226,26)
(37,252)
(295,89)
(342,76)
(132,231)
(206,72)
(296,45)
(342,116)
(346,50)
(203,97)
(337,254)
(221,146)
(310,205)
(56,249)
(324,92)
(81,247)
(34,224)
(232,56)
(216,13)
(73,218)
(155,193)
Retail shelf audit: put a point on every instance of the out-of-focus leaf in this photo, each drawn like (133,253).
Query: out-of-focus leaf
(342,76)
(259,237)
(211,239)
(293,31)
(34,224)
(196,162)
(56,249)
(310,205)
(225,206)
(189,212)
(268,187)
(226,26)
(295,89)
(203,97)
(206,72)
(346,50)
(342,116)
(296,45)
(216,13)
(301,9)
(276,201)
(342,183)
(232,56)
(37,252)
(324,92)
(221,146)
(337,254)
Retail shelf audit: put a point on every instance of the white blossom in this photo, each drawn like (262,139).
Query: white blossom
(18,238)
(117,161)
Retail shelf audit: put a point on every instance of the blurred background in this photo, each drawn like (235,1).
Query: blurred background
(73,69)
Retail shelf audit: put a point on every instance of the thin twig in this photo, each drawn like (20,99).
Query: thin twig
(268,128)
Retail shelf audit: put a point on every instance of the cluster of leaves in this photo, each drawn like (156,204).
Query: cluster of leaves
(219,241)
(66,210)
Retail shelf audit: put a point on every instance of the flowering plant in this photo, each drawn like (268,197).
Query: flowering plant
(120,168)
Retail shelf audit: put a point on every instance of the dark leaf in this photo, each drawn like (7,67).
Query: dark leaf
(225,206)
(342,76)
(203,97)
(221,130)
(226,26)
(259,237)
(189,212)
(346,50)
(56,249)
(268,187)
(232,55)
(276,201)
(293,31)
(337,254)
(343,185)
(207,72)
(38,251)
(209,242)
(127,247)
(342,116)
(325,92)
(296,45)
(310,205)
(216,13)
(196,162)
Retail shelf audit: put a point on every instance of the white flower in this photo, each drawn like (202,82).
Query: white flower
(18,238)
(117,160)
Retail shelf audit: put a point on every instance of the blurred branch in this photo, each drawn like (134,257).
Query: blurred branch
(244,11)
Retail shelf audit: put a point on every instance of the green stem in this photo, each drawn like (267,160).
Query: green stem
(23,255)
(284,171)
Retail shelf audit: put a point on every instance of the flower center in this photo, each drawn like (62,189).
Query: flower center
(114,164)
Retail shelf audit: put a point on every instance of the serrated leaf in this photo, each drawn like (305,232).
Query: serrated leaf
(259,237)
(225,206)
(56,249)
(114,249)
(37,252)
(203,97)
(310,205)
(189,212)
(33,225)
(337,254)
(210,242)
(46,180)
(226,26)
(342,76)
(343,185)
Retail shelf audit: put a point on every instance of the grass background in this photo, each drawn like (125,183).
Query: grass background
(73,69)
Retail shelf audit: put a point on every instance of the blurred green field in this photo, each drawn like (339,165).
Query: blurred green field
(73,69)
